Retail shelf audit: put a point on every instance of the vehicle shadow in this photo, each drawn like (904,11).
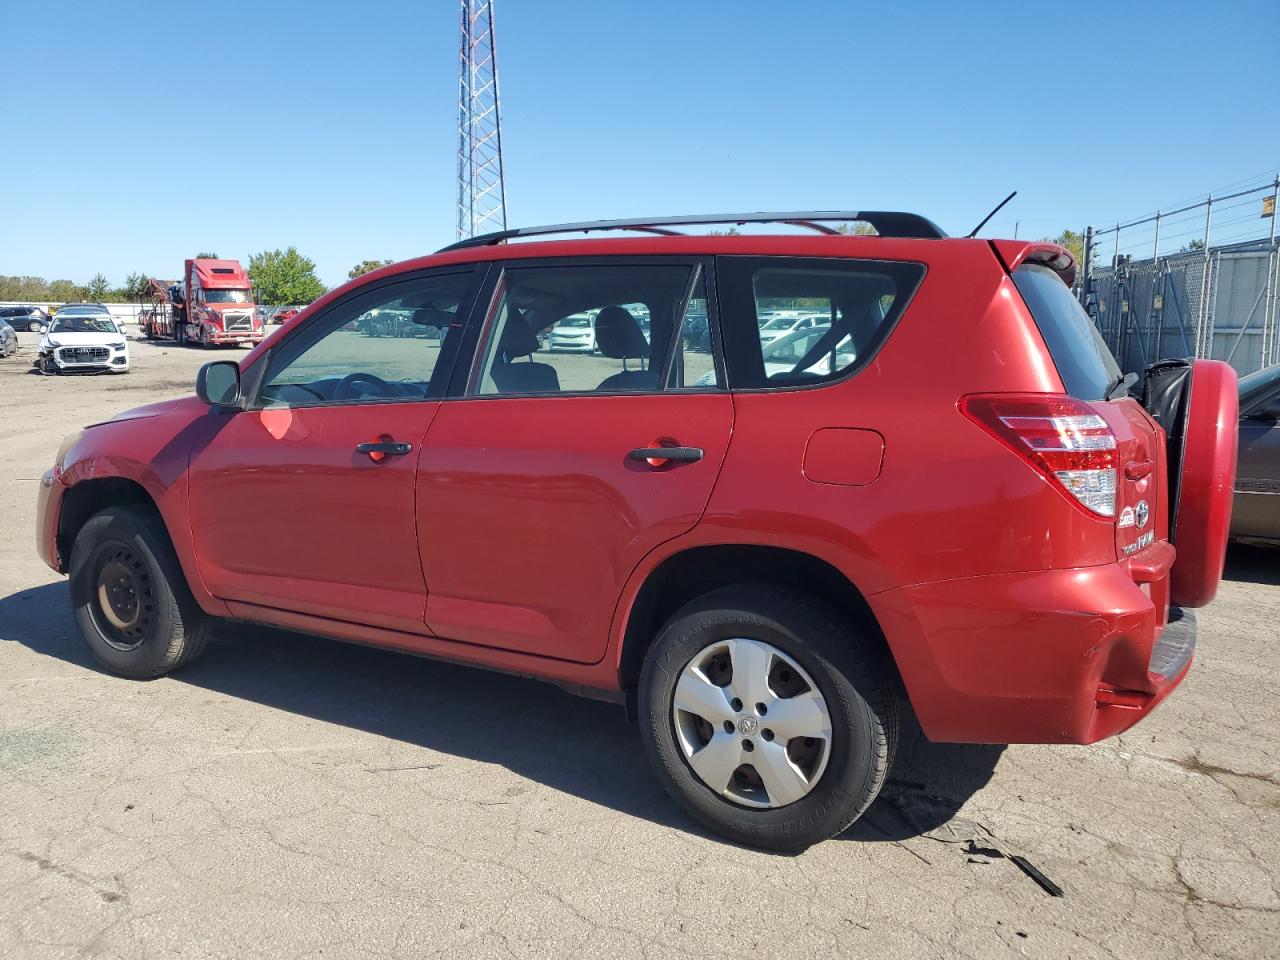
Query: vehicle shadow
(1248,563)
(582,747)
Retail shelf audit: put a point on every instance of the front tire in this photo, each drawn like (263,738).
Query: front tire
(765,717)
(130,598)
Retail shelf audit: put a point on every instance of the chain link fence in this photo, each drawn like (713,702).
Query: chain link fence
(1215,297)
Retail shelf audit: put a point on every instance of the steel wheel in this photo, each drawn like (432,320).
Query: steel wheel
(751,723)
(124,601)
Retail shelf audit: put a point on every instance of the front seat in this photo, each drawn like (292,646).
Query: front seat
(518,340)
(619,336)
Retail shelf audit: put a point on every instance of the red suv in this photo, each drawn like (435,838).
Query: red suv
(937,496)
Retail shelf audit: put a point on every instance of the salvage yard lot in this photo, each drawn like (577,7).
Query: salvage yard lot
(293,796)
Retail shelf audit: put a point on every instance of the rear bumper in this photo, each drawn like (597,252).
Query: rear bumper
(1061,656)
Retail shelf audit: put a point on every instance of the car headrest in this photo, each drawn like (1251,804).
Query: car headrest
(517,339)
(618,335)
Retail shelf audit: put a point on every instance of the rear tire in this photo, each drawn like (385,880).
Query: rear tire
(130,598)
(842,686)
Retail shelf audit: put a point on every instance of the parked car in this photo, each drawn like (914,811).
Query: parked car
(783,324)
(82,339)
(1256,514)
(697,333)
(25,319)
(575,334)
(964,513)
(8,340)
(284,313)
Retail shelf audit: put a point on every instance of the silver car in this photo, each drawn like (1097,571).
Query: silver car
(1256,511)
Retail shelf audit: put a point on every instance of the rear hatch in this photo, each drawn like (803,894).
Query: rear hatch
(1090,373)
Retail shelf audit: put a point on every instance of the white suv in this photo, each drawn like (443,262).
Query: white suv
(82,337)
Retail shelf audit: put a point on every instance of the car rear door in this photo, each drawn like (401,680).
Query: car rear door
(1256,510)
(305,502)
(542,483)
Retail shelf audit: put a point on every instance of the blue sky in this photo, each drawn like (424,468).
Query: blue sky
(140,133)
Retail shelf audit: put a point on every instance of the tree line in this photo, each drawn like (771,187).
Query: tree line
(279,277)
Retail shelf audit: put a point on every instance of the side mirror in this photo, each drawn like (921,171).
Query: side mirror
(218,383)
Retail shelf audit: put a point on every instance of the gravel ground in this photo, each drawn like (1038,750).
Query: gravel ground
(288,796)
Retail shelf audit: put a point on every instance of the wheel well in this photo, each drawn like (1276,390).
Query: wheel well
(690,574)
(88,497)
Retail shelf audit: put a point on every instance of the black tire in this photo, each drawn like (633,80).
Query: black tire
(169,630)
(849,674)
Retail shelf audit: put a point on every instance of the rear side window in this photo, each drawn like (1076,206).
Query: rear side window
(1085,364)
(794,322)
(594,328)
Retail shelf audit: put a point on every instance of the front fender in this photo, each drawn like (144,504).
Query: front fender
(152,452)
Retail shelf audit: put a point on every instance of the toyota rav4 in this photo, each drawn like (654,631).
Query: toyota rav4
(947,499)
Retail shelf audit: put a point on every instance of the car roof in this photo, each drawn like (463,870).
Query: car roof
(851,246)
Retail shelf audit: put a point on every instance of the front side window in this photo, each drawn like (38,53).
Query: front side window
(591,328)
(796,322)
(228,296)
(384,345)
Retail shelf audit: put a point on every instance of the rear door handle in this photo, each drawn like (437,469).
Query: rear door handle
(663,454)
(379,450)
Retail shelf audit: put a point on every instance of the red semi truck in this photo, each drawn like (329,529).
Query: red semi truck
(211,305)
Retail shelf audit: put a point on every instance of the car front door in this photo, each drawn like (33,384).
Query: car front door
(305,501)
(542,485)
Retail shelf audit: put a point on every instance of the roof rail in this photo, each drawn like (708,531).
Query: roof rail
(887,223)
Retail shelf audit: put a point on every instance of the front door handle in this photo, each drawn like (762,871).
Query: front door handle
(379,450)
(658,456)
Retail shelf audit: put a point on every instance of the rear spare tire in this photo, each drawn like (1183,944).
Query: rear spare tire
(1197,403)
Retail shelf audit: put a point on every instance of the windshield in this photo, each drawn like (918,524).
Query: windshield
(228,296)
(81,324)
(575,322)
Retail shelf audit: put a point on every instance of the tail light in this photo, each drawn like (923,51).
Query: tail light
(1062,437)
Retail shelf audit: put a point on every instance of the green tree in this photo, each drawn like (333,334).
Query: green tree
(284,276)
(207,256)
(367,266)
(1192,246)
(97,288)
(64,291)
(134,285)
